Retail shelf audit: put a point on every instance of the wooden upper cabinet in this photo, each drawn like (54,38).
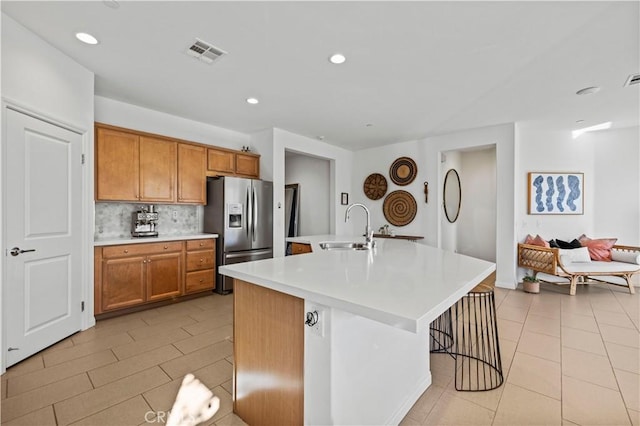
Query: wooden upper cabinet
(248,165)
(117,165)
(192,169)
(221,161)
(158,160)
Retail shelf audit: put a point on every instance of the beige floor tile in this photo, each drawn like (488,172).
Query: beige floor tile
(512,314)
(127,367)
(453,410)
(619,335)
(580,322)
(215,374)
(540,345)
(624,357)
(537,375)
(518,299)
(635,417)
(585,403)
(38,378)
(26,366)
(425,403)
(213,301)
(161,398)
(509,330)
(566,422)
(101,332)
(576,305)
(130,412)
(104,397)
(43,396)
(487,399)
(233,420)
(609,303)
(4,388)
(507,352)
(442,369)
(520,406)
(619,319)
(208,320)
(42,417)
(228,386)
(66,343)
(542,325)
(137,347)
(630,388)
(84,349)
(178,367)
(199,341)
(583,341)
(588,367)
(544,311)
(161,327)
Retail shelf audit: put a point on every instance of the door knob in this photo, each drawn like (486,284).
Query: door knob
(16,251)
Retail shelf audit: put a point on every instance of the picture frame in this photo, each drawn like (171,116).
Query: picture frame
(556,193)
(344,198)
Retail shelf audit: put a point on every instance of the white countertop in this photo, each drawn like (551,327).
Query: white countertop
(160,238)
(400,283)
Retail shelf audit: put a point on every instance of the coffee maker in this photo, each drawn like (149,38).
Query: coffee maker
(144,222)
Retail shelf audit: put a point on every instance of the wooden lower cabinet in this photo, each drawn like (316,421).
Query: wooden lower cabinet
(201,261)
(268,355)
(131,275)
(299,248)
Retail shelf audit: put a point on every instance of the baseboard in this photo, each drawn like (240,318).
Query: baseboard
(413,397)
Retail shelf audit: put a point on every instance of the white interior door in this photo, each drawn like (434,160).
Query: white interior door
(43,196)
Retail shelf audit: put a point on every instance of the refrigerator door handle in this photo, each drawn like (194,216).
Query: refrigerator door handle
(244,253)
(254,206)
(248,216)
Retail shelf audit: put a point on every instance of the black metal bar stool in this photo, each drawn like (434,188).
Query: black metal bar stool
(468,331)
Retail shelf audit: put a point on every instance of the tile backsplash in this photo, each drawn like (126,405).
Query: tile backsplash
(113,220)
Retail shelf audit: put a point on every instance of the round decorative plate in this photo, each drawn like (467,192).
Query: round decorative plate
(400,208)
(403,171)
(375,186)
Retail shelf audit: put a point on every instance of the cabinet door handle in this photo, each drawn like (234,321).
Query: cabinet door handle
(126,251)
(201,260)
(144,261)
(201,280)
(166,247)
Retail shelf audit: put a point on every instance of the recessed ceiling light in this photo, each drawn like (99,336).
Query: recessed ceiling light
(576,133)
(588,90)
(337,58)
(86,38)
(252,101)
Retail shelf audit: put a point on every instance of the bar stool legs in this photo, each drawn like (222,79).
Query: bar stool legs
(468,331)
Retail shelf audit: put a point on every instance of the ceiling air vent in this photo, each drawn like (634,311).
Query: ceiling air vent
(204,51)
(633,79)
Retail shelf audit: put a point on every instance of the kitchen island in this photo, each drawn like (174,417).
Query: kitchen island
(366,360)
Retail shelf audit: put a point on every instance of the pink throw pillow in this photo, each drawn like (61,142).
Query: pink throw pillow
(536,241)
(599,249)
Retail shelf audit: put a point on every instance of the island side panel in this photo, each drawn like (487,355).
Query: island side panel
(268,356)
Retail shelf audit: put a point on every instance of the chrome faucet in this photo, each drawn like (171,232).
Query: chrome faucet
(368,231)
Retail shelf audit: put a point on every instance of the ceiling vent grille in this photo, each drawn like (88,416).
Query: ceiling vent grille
(204,51)
(633,79)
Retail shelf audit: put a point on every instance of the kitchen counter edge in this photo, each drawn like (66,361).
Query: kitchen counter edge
(142,240)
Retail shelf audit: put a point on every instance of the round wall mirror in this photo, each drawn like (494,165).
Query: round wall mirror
(452,195)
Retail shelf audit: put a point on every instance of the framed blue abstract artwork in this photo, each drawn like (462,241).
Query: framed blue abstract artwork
(556,193)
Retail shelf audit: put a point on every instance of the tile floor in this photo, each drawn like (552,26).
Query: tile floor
(567,360)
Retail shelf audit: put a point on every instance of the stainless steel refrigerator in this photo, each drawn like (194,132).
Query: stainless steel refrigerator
(240,211)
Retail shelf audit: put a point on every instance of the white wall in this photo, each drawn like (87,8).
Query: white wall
(313,177)
(476,236)
(340,179)
(609,160)
(39,79)
(426,153)
(122,114)
(449,231)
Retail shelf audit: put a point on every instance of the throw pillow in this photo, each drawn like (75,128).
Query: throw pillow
(567,245)
(626,256)
(579,255)
(599,249)
(536,241)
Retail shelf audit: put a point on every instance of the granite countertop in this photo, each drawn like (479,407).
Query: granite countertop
(399,283)
(160,238)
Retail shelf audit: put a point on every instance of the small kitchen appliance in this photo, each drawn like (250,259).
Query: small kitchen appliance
(144,222)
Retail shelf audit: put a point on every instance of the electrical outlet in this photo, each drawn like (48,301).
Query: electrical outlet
(174,214)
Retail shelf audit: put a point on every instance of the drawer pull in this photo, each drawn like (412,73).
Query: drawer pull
(201,280)
(126,251)
(166,247)
(201,244)
(201,260)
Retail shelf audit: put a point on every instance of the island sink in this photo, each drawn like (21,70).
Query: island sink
(337,245)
